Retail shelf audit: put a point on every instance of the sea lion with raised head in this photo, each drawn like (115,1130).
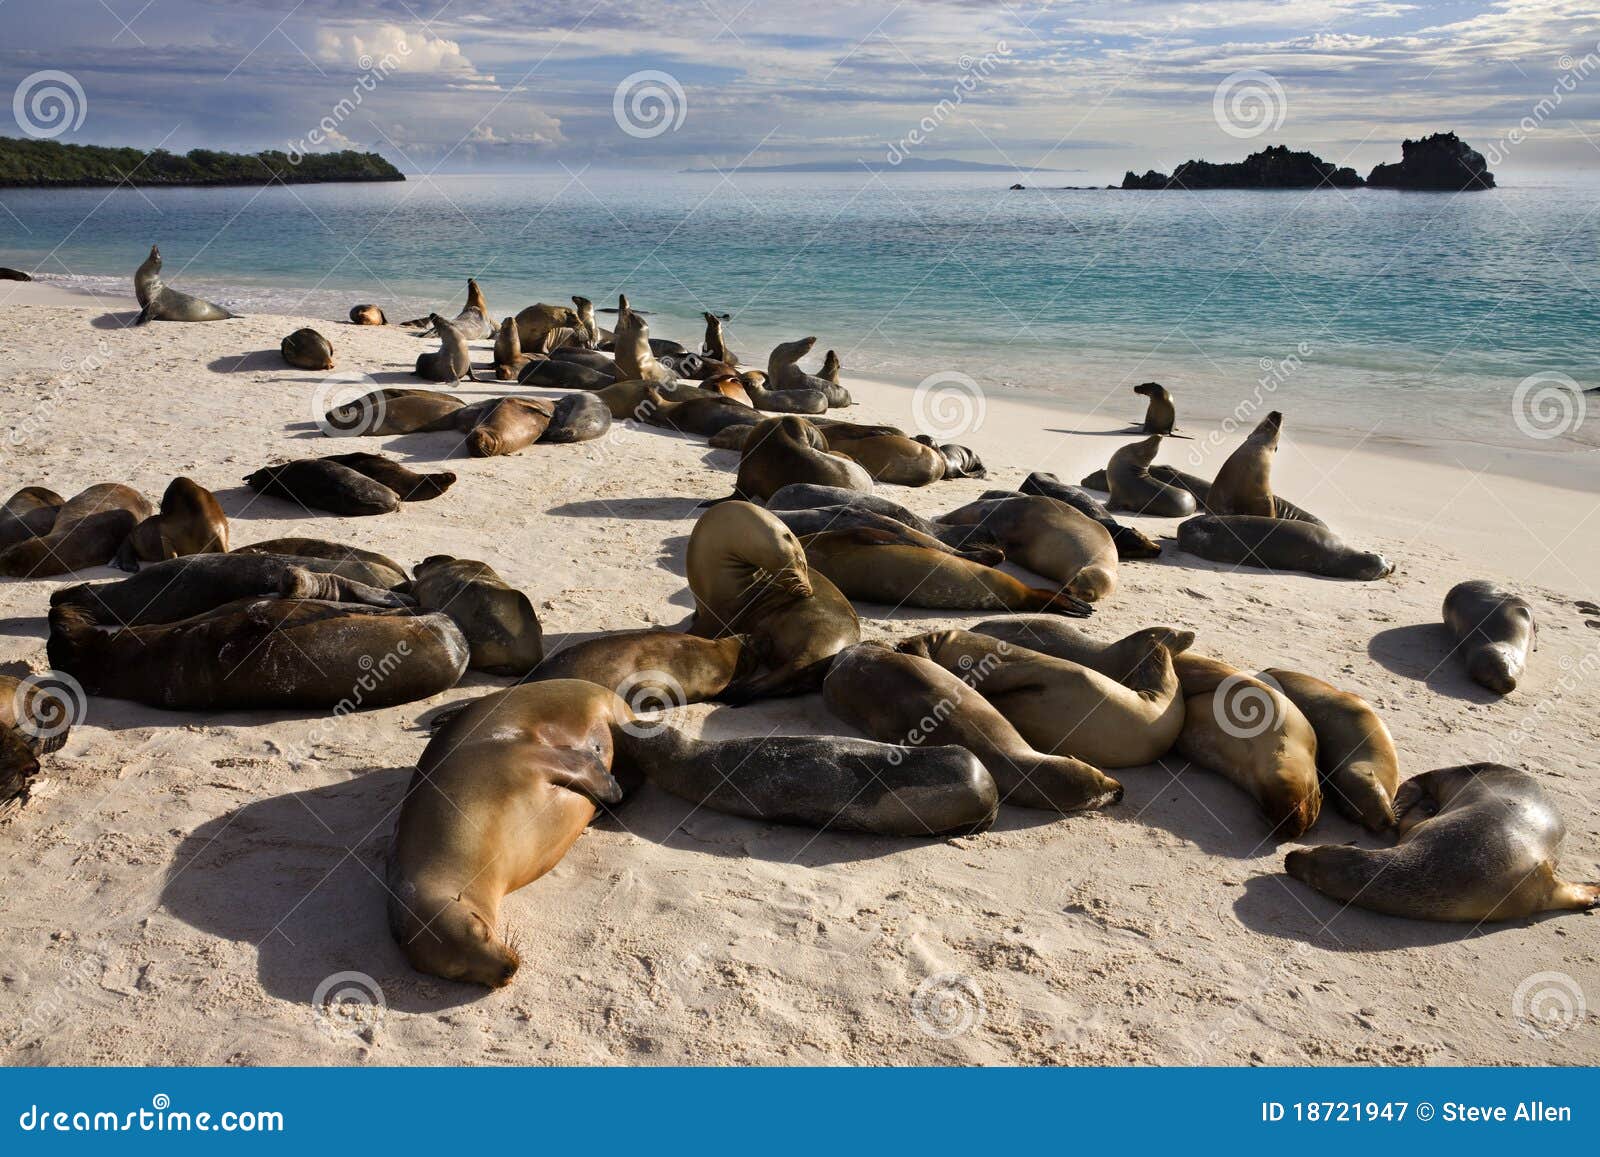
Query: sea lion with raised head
(498,620)
(959,461)
(1244,483)
(715,345)
(29,513)
(830,368)
(157,302)
(781,451)
(588,328)
(1278,544)
(897,698)
(1131,543)
(636,357)
(1134,488)
(306,349)
(392,411)
(474,321)
(1159,415)
(557,374)
(190,522)
(1355,753)
(1051,539)
(88,530)
(320,484)
(367,315)
(656,667)
(579,417)
(503,425)
(885,453)
(784,373)
(509,360)
(502,790)
(1476,843)
(754,383)
(452,361)
(1494,630)
(1201,489)
(405,482)
(819,781)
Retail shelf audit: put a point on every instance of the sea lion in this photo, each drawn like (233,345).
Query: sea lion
(959,461)
(631,399)
(9,274)
(1133,488)
(898,698)
(1355,753)
(367,315)
(1051,636)
(320,484)
(1278,544)
(29,513)
(306,349)
(190,522)
(263,653)
(810,496)
(498,620)
(697,367)
(657,667)
(1067,708)
(796,401)
(1476,842)
(731,437)
(1249,732)
(1051,539)
(715,345)
(589,359)
(474,321)
(1244,483)
(588,329)
(703,416)
(830,367)
(553,374)
(1494,630)
(822,519)
(885,453)
(820,781)
(159,303)
(1201,489)
(536,324)
(784,373)
(501,792)
(875,567)
(1159,415)
(1131,543)
(790,449)
(636,357)
(35,719)
(578,417)
(748,574)
(367,566)
(392,411)
(88,531)
(452,361)
(406,483)
(503,425)
(509,360)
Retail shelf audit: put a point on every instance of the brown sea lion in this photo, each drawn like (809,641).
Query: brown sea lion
(588,329)
(1131,543)
(407,483)
(159,303)
(806,496)
(452,361)
(1133,488)
(577,417)
(503,425)
(503,789)
(754,383)
(715,345)
(631,399)
(822,519)
(509,359)
(392,411)
(907,699)
(784,373)
(885,453)
(1495,631)
(656,667)
(88,531)
(830,367)
(1159,415)
(190,522)
(1477,843)
(377,569)
(498,620)
(636,358)
(1355,753)
(702,416)
(318,484)
(537,323)
(35,719)
(367,315)
(1201,489)
(1244,483)
(1279,544)
(1051,539)
(306,349)
(29,513)
(790,449)
(558,374)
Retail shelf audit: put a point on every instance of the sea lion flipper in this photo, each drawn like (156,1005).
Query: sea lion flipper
(589,779)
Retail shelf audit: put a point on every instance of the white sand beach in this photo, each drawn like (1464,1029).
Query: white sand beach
(181,884)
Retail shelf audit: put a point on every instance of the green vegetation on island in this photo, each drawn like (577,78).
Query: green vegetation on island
(47,164)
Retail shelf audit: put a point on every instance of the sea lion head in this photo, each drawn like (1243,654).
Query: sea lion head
(475,297)
(449,937)
(791,351)
(1424,796)
(1267,430)
(1144,657)
(1494,665)
(1150,389)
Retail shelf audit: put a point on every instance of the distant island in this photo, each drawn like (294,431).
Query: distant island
(1440,163)
(909,165)
(26,164)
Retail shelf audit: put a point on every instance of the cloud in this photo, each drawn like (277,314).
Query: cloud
(415,51)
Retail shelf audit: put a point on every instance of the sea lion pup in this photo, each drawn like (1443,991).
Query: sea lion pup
(503,425)
(1355,753)
(876,567)
(498,620)
(29,513)
(88,531)
(318,484)
(1278,544)
(392,411)
(1477,842)
(784,373)
(748,574)
(1244,483)
(367,315)
(576,418)
(1051,539)
(1495,631)
(366,566)
(820,781)
(306,349)
(959,461)
(555,374)
(715,345)
(1249,732)
(1133,488)
(703,416)
(1159,415)
(159,303)
(452,361)
(406,483)
(537,323)
(790,449)
(1131,542)
(899,698)
(509,360)
(190,522)
(501,792)
(781,401)
(1067,708)
(656,667)
(885,453)
(636,358)
(1201,489)
(822,519)
(588,328)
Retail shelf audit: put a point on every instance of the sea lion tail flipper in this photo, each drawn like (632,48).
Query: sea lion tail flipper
(127,557)
(445,714)
(734,497)
(1061,603)
(1577,896)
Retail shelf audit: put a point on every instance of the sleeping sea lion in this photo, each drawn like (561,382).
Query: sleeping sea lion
(577,417)
(88,530)
(797,401)
(655,667)
(790,449)
(784,373)
(306,349)
(885,453)
(407,484)
(503,425)
(630,400)
(1131,543)
(959,461)
(159,303)
(1051,539)
(1133,488)
(392,411)
(702,416)
(452,361)
(812,496)
(29,513)
(1355,753)
(499,621)
(374,569)
(320,484)
(190,522)
(35,719)
(556,374)
(822,519)
(1278,544)
(367,315)
(1494,630)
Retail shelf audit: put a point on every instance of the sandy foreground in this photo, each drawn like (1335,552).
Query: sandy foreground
(183,885)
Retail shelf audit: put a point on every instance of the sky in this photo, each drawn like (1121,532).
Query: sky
(464,85)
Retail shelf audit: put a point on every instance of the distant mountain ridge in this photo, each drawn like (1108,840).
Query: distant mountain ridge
(909,165)
(28,164)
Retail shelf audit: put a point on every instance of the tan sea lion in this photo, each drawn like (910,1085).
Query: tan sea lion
(392,411)
(306,349)
(907,699)
(1159,415)
(1495,631)
(631,399)
(784,373)
(1134,489)
(367,315)
(499,621)
(537,323)
(88,531)
(635,357)
(452,361)
(35,719)
(1131,543)
(1244,483)
(503,425)
(715,345)
(823,519)
(1050,538)
(1355,753)
(1279,544)
(159,303)
(797,401)
(190,522)
(503,789)
(703,416)
(29,513)
(1476,843)
(508,356)
(791,449)
(885,453)
(656,667)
